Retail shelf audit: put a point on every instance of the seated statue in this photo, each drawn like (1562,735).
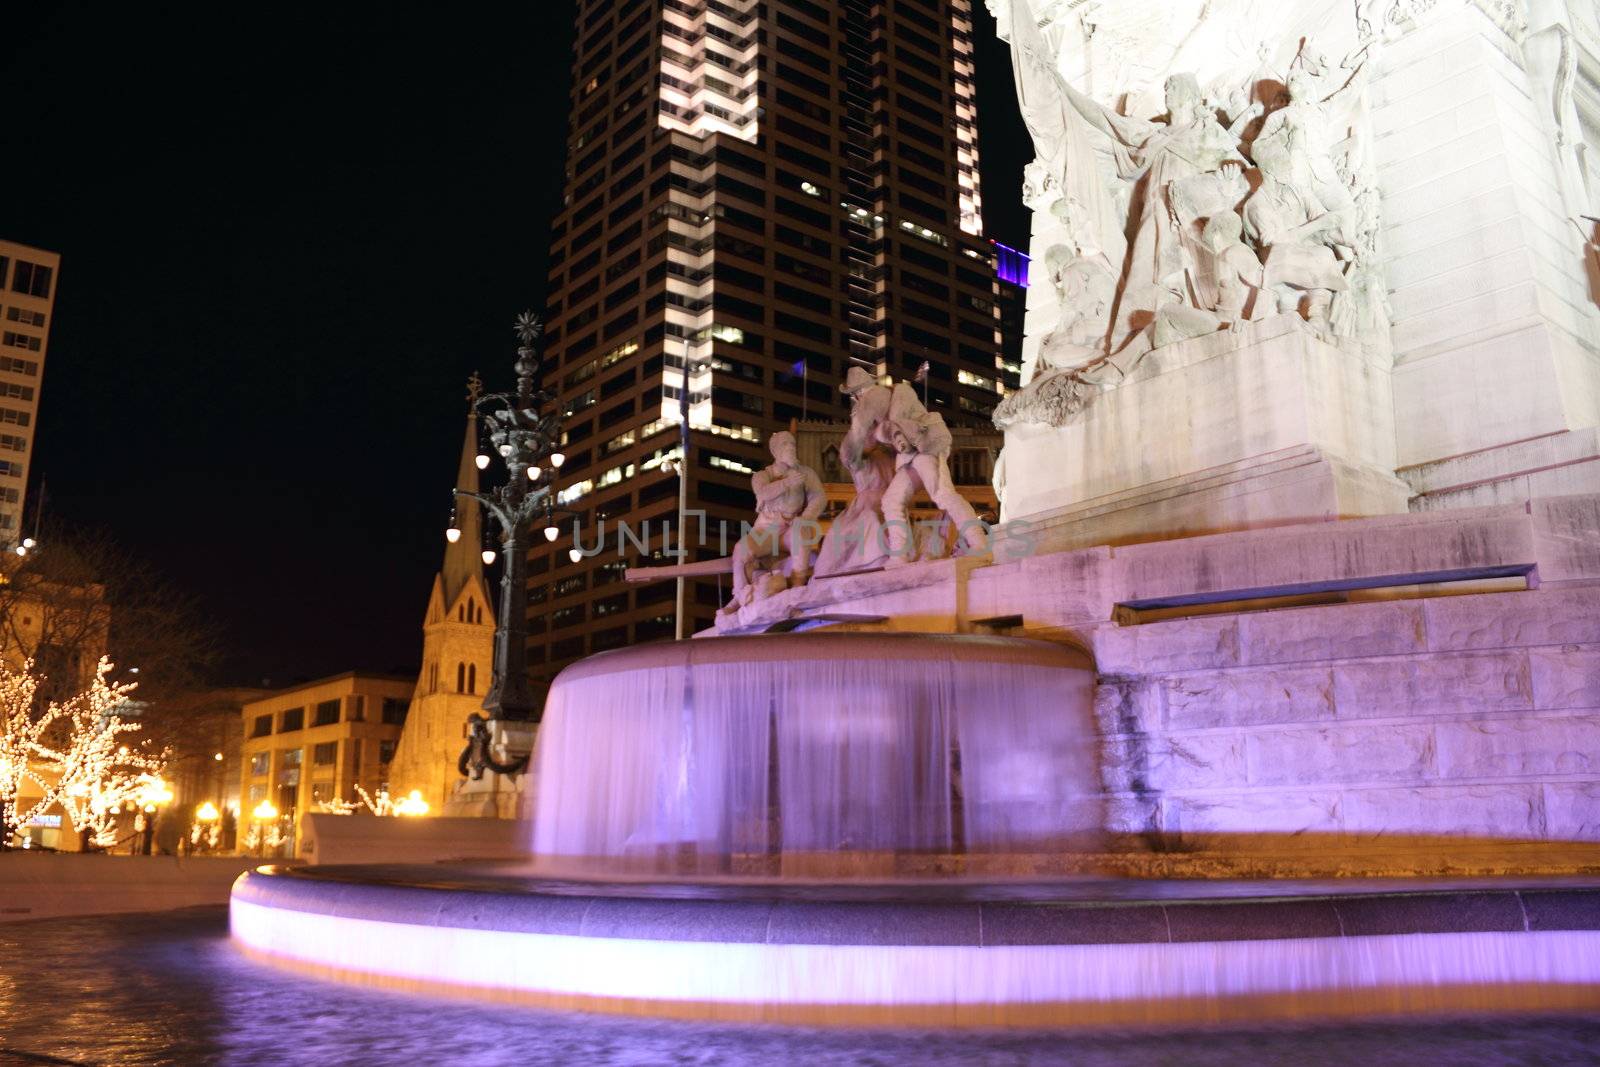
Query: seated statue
(1298,235)
(789,498)
(1226,291)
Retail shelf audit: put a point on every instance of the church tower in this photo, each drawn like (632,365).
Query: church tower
(457,652)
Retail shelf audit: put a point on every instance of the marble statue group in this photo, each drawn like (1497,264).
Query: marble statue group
(1246,198)
(894,447)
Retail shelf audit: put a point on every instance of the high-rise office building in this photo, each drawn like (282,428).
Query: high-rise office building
(757,194)
(27,304)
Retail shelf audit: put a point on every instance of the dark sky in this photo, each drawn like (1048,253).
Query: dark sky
(288,236)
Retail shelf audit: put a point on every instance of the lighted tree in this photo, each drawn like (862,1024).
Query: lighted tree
(22,750)
(382,804)
(74,752)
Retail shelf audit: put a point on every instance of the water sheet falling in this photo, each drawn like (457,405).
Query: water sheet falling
(718,754)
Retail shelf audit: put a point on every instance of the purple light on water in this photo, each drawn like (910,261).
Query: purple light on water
(1010,265)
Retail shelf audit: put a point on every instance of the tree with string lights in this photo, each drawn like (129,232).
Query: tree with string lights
(74,752)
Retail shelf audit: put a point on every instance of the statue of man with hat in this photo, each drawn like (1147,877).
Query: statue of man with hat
(892,416)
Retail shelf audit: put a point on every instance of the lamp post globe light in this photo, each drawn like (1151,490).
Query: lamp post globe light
(524,433)
(265,814)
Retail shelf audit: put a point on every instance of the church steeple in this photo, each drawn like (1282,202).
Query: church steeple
(463,559)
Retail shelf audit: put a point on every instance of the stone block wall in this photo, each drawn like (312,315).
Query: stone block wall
(1461,717)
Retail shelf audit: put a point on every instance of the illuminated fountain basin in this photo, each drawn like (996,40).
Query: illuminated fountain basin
(742,804)
(822,754)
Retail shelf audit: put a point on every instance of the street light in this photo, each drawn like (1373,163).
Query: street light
(265,814)
(412,804)
(525,432)
(151,792)
(205,825)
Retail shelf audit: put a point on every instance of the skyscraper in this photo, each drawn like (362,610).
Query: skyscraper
(27,297)
(757,195)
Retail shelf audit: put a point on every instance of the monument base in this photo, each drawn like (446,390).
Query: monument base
(1265,425)
(495,795)
(1557,464)
(1399,694)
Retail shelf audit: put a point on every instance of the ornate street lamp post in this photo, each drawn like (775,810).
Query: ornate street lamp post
(526,440)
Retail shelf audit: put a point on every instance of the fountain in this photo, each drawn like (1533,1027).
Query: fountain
(1290,593)
(775,828)
(828,753)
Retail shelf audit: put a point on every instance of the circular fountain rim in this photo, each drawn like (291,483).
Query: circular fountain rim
(833,646)
(964,963)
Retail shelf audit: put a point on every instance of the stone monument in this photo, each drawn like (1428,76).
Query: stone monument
(1350,237)
(1306,453)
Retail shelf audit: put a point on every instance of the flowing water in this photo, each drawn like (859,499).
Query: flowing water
(816,744)
(170,989)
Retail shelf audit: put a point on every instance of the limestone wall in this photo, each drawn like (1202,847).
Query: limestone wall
(1468,717)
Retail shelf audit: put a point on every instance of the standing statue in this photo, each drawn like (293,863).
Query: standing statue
(892,416)
(789,498)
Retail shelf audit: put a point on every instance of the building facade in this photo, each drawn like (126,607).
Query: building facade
(27,305)
(758,195)
(316,742)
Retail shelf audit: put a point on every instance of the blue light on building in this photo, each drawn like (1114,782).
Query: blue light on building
(1010,265)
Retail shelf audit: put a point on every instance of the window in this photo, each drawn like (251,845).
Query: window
(461,677)
(386,752)
(472,678)
(327,713)
(20,340)
(325,754)
(289,758)
(31,278)
(261,763)
(262,727)
(293,719)
(394,711)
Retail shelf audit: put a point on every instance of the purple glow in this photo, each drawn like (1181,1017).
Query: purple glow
(1010,265)
(640,758)
(967,983)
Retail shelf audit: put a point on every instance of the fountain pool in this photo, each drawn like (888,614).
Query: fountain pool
(719,826)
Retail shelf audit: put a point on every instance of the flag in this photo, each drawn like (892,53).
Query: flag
(798,367)
(922,372)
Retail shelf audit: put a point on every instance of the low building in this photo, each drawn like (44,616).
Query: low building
(317,742)
(204,762)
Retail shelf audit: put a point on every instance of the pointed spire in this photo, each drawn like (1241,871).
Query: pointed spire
(463,560)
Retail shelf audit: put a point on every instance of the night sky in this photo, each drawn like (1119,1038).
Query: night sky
(288,237)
